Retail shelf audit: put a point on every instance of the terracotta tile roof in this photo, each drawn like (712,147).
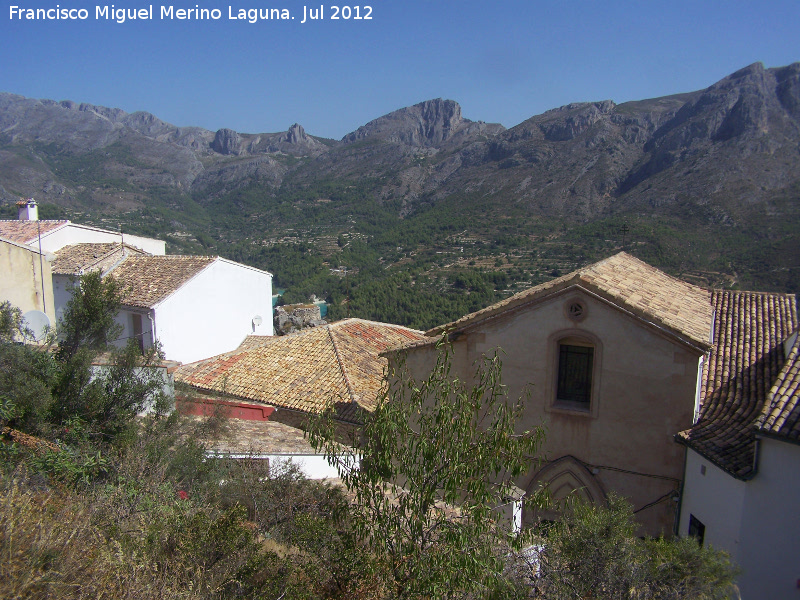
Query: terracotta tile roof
(679,307)
(82,258)
(781,416)
(256,341)
(747,357)
(25,232)
(338,363)
(257,438)
(150,279)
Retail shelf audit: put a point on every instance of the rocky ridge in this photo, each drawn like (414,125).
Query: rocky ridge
(727,148)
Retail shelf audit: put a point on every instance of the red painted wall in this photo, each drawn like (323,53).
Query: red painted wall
(206,407)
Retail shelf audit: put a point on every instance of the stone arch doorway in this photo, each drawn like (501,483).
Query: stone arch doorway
(565,478)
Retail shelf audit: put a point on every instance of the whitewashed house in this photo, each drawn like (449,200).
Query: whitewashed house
(194,306)
(52,236)
(741,489)
(72,261)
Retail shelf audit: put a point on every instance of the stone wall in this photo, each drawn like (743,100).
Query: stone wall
(294,317)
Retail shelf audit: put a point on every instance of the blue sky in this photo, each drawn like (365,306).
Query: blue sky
(503,62)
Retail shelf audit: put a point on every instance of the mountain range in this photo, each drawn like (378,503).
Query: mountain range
(713,175)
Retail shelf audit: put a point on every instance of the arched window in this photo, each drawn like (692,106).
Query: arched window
(575,371)
(575,367)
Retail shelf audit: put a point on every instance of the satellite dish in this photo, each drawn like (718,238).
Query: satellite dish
(37,323)
(257,320)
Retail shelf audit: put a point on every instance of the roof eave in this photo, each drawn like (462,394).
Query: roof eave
(770,435)
(524,299)
(741,477)
(47,233)
(157,303)
(238,264)
(161,301)
(277,406)
(697,345)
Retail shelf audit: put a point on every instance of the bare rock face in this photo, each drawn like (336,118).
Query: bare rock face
(147,124)
(65,124)
(227,141)
(751,112)
(224,177)
(574,119)
(293,141)
(294,317)
(788,89)
(426,125)
(296,135)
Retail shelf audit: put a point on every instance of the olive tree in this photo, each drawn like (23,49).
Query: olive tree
(105,399)
(438,458)
(593,552)
(43,388)
(26,374)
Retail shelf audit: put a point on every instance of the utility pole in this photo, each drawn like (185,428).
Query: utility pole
(346,293)
(624,231)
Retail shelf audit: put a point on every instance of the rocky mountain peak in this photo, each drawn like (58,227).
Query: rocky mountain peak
(788,88)
(296,134)
(570,121)
(745,105)
(733,145)
(427,124)
(227,141)
(147,124)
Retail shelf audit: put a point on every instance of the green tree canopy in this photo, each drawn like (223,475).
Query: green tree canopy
(439,458)
(593,552)
(41,390)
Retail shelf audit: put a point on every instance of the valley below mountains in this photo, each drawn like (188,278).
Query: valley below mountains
(433,214)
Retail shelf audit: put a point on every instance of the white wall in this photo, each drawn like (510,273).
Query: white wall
(770,548)
(72,233)
(213,312)
(717,500)
(313,466)
(62,292)
(125,319)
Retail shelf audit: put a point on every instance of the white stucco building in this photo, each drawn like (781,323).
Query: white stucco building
(52,236)
(194,306)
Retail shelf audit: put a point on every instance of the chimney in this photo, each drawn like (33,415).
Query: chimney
(27,210)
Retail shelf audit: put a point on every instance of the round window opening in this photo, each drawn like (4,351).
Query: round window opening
(576,310)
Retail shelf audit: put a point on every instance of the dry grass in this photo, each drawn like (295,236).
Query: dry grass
(167,523)
(49,548)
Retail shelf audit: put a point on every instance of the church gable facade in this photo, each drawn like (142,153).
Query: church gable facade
(610,357)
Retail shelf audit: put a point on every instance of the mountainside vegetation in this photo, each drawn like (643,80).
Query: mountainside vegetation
(434,215)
